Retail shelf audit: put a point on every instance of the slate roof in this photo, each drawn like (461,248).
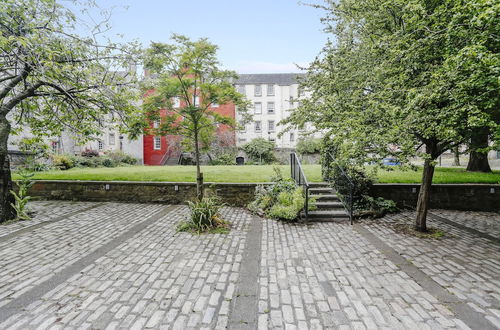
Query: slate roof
(283,79)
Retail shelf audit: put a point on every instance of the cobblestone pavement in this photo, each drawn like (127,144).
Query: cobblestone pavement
(114,265)
(485,222)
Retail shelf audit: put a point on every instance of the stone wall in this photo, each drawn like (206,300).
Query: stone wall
(235,194)
(473,197)
(485,197)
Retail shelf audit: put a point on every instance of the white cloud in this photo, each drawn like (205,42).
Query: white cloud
(265,67)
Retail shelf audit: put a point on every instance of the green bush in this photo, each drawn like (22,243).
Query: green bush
(119,157)
(108,162)
(204,216)
(63,162)
(224,159)
(308,146)
(260,150)
(282,199)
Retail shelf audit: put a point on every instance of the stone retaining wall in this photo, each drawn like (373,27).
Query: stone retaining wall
(472,197)
(485,197)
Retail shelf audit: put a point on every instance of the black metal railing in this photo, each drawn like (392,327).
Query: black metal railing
(300,178)
(343,184)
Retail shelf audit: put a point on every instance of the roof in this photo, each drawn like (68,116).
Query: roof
(283,79)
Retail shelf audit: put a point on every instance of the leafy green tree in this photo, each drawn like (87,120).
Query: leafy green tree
(308,145)
(189,73)
(261,150)
(404,78)
(53,79)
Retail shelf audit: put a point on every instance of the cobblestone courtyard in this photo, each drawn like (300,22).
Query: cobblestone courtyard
(113,265)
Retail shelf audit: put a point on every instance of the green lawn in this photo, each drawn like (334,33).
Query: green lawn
(248,173)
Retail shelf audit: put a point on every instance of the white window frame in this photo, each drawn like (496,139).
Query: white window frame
(156,124)
(270,126)
(258,126)
(112,139)
(100,145)
(257,90)
(242,89)
(157,143)
(196,100)
(255,108)
(292,137)
(176,102)
(214,105)
(269,108)
(270,90)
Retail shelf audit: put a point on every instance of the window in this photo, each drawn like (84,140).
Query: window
(111,139)
(270,107)
(215,105)
(270,125)
(157,143)
(270,90)
(243,127)
(292,137)
(300,92)
(100,145)
(257,108)
(196,101)
(258,90)
(156,124)
(241,89)
(176,102)
(258,126)
(241,140)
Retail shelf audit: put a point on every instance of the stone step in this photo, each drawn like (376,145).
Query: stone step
(329,205)
(320,190)
(328,214)
(325,197)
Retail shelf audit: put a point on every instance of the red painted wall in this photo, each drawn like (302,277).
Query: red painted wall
(169,143)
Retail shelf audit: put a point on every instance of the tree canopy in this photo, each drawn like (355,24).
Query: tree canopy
(55,76)
(404,78)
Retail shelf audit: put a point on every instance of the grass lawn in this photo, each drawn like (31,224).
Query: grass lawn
(249,173)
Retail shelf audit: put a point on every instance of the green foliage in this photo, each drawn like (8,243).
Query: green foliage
(379,204)
(280,200)
(21,196)
(119,157)
(260,150)
(204,217)
(224,159)
(63,162)
(308,146)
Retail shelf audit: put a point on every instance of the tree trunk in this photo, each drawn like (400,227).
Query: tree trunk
(456,154)
(199,175)
(7,212)
(478,161)
(424,196)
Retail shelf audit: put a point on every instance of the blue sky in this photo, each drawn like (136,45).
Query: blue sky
(253,36)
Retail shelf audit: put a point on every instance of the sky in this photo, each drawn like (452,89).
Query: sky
(259,36)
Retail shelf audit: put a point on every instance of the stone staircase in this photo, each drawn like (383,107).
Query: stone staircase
(329,208)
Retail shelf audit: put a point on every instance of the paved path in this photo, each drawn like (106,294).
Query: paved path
(114,265)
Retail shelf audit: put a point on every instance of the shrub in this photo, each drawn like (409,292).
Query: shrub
(204,216)
(90,153)
(308,146)
(108,162)
(260,150)
(21,197)
(282,199)
(119,157)
(63,162)
(224,159)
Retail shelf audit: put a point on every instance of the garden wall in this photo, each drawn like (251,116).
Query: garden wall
(484,197)
(235,194)
(473,197)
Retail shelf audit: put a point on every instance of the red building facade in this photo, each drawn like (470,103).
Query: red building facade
(161,150)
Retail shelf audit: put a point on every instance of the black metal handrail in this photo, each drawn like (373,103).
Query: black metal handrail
(346,199)
(300,178)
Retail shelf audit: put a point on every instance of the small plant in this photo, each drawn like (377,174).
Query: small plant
(63,162)
(224,159)
(204,216)
(90,153)
(21,196)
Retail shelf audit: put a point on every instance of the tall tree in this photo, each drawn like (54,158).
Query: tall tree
(404,78)
(186,82)
(53,79)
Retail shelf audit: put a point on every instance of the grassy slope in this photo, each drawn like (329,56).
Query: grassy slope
(249,173)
